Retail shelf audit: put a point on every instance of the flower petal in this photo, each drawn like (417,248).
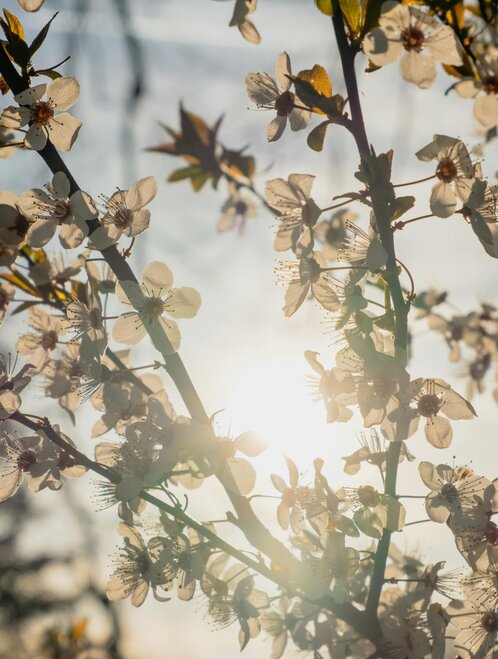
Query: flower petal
(64,92)
(141,193)
(183,302)
(157,279)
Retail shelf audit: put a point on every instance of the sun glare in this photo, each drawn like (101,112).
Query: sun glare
(275,400)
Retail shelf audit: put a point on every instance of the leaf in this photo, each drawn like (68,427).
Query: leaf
(370,15)
(19,281)
(318,78)
(317,136)
(351,10)
(330,106)
(40,37)
(16,46)
(400,206)
(24,306)
(53,75)
(14,26)
(325,6)
(185,172)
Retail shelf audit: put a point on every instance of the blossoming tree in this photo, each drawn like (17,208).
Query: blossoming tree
(335,584)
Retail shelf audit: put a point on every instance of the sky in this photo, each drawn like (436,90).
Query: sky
(244,357)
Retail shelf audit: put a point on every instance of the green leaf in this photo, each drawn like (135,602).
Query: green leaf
(40,37)
(185,172)
(53,75)
(317,136)
(24,306)
(400,206)
(325,6)
(351,10)
(370,15)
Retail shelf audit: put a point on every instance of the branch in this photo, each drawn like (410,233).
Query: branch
(380,204)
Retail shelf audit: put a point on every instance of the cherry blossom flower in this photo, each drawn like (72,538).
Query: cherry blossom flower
(476,535)
(405,28)
(270,95)
(241,11)
(86,320)
(298,212)
(374,451)
(30,458)
(452,490)
(481,212)
(298,502)
(38,345)
(30,5)
(331,232)
(237,474)
(11,385)
(484,89)
(362,249)
(455,173)
(478,627)
(335,387)
(72,379)
(153,299)
(426,398)
(40,114)
(138,567)
(236,210)
(14,225)
(233,597)
(54,208)
(125,213)
(306,275)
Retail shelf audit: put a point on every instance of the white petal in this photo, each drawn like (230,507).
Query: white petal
(30,5)
(282,70)
(443,46)
(183,302)
(40,232)
(443,200)
(249,32)
(61,185)
(141,193)
(468,88)
(486,110)
(64,129)
(261,88)
(64,92)
(36,137)
(299,119)
(275,128)
(418,68)
(171,330)
(157,279)
(31,95)
(128,329)
(438,432)
(379,49)
(129,292)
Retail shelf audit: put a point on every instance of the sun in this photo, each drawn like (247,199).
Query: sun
(275,400)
